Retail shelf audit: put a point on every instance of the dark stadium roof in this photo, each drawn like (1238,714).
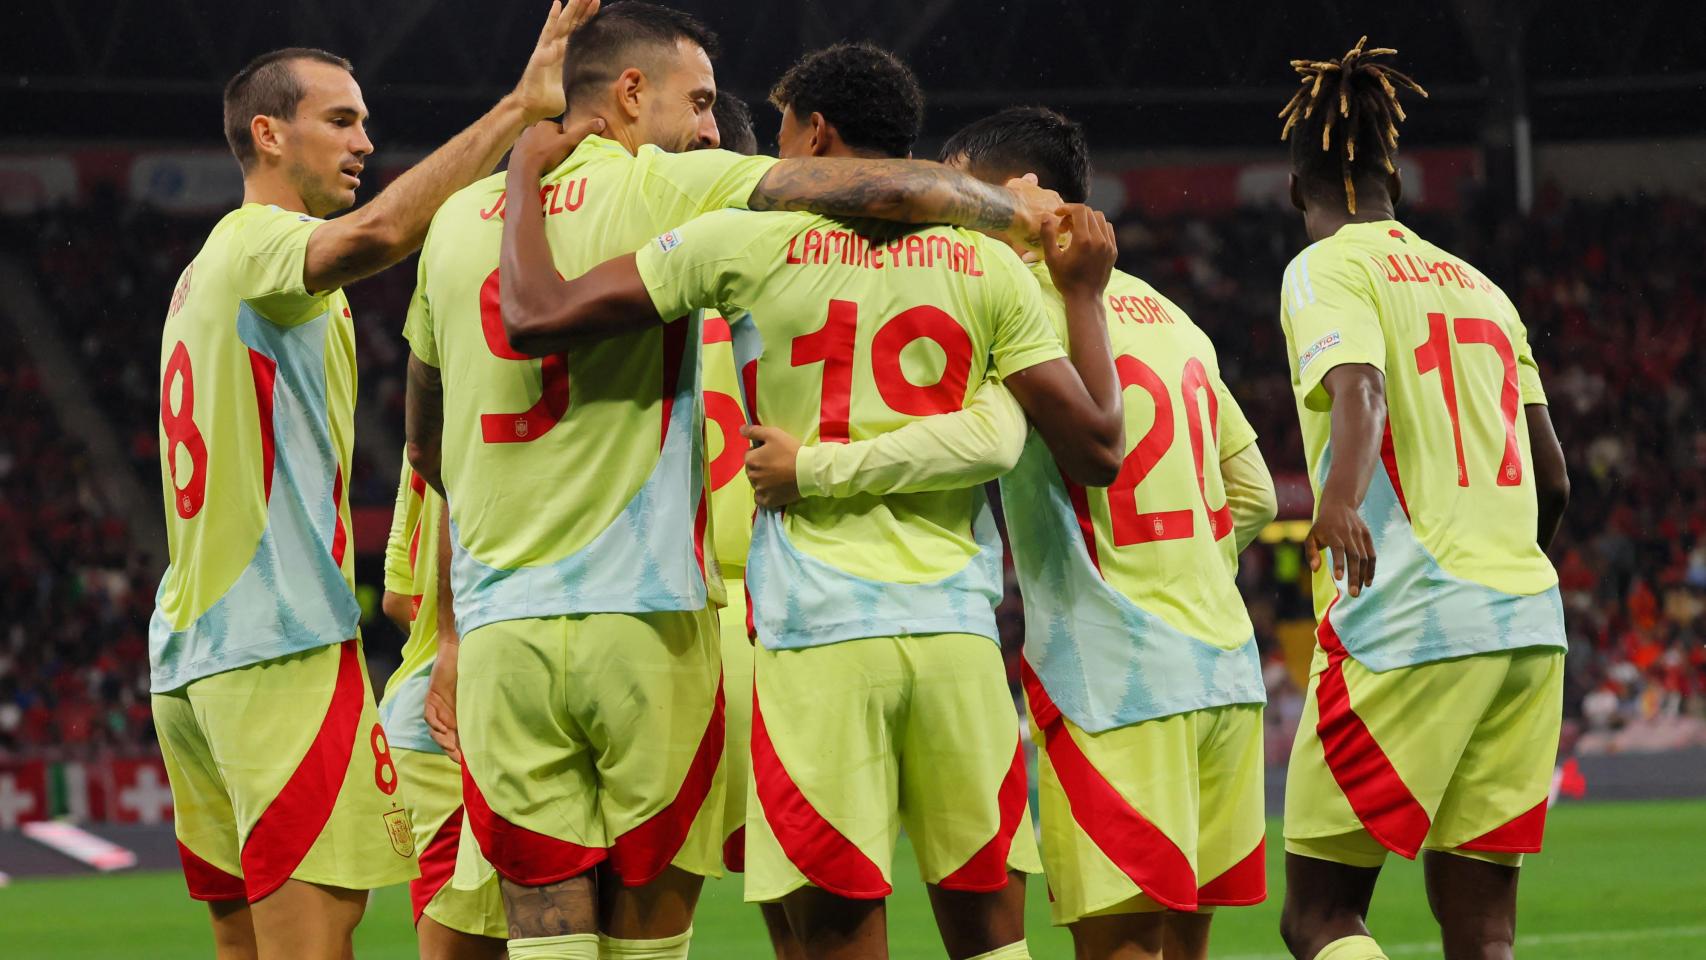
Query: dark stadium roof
(1142,74)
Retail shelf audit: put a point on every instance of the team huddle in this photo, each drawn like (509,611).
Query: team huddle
(696,563)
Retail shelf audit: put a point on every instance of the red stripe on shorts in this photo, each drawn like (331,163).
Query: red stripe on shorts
(818,850)
(519,854)
(1139,848)
(1521,835)
(639,855)
(293,821)
(986,871)
(206,881)
(1243,884)
(438,863)
(1386,807)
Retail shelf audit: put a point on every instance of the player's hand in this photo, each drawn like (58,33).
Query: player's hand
(1034,207)
(1083,265)
(440,710)
(540,91)
(1339,528)
(770,466)
(548,143)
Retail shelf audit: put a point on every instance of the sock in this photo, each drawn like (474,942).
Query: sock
(669,948)
(1348,948)
(1013,951)
(575,946)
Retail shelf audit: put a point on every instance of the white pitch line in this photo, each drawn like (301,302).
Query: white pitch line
(1531,940)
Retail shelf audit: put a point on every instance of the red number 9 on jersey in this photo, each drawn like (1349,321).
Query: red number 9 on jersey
(179,427)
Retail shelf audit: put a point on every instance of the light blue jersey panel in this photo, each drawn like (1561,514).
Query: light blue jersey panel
(291,596)
(637,564)
(403,713)
(1103,659)
(1415,612)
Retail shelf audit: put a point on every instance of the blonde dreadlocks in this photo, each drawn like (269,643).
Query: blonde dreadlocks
(1366,101)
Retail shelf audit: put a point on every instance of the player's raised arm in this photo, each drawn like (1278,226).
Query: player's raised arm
(907,191)
(1076,406)
(394,224)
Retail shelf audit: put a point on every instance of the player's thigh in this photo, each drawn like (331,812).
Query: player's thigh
(307,921)
(432,788)
(1375,751)
(648,693)
(530,786)
(1231,855)
(1495,806)
(963,792)
(737,736)
(203,818)
(1120,811)
(313,788)
(823,805)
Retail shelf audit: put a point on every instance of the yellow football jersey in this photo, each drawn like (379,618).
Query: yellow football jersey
(411,570)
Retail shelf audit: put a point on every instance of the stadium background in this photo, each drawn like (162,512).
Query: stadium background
(1562,152)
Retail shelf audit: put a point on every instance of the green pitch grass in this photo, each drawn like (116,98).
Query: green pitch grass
(1619,880)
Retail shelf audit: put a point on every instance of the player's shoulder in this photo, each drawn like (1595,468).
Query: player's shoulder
(479,199)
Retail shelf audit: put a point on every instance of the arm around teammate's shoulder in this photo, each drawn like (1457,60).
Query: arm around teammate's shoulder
(1076,405)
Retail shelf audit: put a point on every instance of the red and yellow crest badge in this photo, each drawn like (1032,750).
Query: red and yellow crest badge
(401,832)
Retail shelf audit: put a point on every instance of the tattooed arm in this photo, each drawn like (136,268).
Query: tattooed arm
(906,191)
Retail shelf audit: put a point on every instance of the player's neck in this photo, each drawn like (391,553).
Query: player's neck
(616,127)
(267,187)
(1322,222)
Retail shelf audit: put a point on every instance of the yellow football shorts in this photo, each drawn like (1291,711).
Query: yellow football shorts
(280,770)
(854,740)
(594,737)
(737,738)
(432,790)
(1455,755)
(1163,814)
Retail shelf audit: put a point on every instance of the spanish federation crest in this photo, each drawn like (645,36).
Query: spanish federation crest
(401,832)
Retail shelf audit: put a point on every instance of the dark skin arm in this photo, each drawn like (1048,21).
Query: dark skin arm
(1077,405)
(1358,392)
(1551,477)
(423,421)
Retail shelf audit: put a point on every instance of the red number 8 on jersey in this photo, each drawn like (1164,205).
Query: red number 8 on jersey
(180,430)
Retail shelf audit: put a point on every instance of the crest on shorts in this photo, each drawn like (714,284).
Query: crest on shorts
(401,832)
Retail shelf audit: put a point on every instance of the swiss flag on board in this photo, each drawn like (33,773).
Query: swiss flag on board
(23,793)
(140,793)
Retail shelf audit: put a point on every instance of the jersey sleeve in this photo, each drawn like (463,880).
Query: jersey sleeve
(946,451)
(1025,333)
(272,253)
(1330,318)
(1236,432)
(1527,371)
(399,572)
(417,324)
(700,263)
(1249,493)
(681,186)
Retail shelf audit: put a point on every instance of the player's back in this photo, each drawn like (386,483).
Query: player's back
(257,404)
(859,329)
(1131,607)
(1452,506)
(570,474)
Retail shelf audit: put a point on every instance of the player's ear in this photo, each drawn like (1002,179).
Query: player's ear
(1395,185)
(823,135)
(1296,191)
(267,134)
(629,89)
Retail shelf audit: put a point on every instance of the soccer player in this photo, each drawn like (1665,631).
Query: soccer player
(881,698)
(945,451)
(589,689)
(1140,665)
(1434,700)
(450,924)
(284,788)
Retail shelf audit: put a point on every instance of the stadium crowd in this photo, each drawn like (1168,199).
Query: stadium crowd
(1614,307)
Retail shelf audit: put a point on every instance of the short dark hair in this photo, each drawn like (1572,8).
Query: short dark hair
(610,43)
(869,96)
(734,124)
(267,87)
(1030,140)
